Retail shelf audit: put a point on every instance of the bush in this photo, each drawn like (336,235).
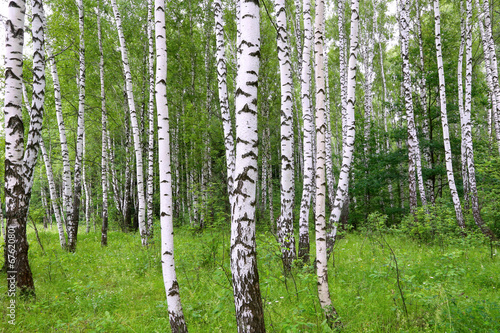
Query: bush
(436,226)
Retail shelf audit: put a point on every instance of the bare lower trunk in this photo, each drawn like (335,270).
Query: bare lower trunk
(285,221)
(176,316)
(135,128)
(321,230)
(307,116)
(444,118)
(245,276)
(466,119)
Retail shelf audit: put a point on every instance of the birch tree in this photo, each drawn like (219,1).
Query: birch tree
(223,99)
(66,175)
(348,136)
(135,126)
(285,221)
(104,138)
(491,63)
(460,94)
(151,130)
(53,195)
(20,161)
(321,234)
(307,116)
(422,86)
(245,277)
(176,316)
(467,126)
(74,216)
(444,117)
(414,163)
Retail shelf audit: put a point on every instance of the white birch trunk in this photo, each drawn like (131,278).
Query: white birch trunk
(307,116)
(85,189)
(223,99)
(53,195)
(490,51)
(16,196)
(444,118)
(341,195)
(285,221)
(66,176)
(245,277)
(423,100)
(104,136)
(135,127)
(74,216)
(321,234)
(151,130)
(176,316)
(463,157)
(413,145)
(385,112)
(467,134)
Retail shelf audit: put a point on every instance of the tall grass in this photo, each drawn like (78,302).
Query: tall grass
(447,288)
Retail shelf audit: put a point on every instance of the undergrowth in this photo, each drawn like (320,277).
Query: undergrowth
(447,287)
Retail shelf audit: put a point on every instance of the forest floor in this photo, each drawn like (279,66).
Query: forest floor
(446,287)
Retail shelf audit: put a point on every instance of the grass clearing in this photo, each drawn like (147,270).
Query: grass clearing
(447,288)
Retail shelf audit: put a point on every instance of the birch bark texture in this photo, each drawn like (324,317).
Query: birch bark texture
(15,192)
(460,94)
(320,212)
(350,131)
(66,174)
(74,216)
(104,138)
(135,127)
(490,52)
(151,129)
(307,117)
(444,117)
(467,134)
(245,277)
(223,99)
(285,221)
(414,163)
(53,195)
(176,316)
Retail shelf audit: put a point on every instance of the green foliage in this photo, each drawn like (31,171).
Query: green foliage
(448,288)
(438,224)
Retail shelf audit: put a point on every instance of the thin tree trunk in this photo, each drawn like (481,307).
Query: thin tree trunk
(467,134)
(86,189)
(245,277)
(413,145)
(307,116)
(223,99)
(53,195)
(285,221)
(465,174)
(385,113)
(490,51)
(444,118)
(104,136)
(66,176)
(423,101)
(74,217)
(321,234)
(135,127)
(341,195)
(151,130)
(176,316)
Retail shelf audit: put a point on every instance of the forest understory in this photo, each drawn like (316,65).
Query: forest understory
(448,285)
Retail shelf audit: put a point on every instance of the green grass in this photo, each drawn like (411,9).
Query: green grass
(447,288)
